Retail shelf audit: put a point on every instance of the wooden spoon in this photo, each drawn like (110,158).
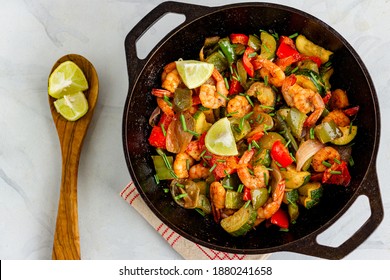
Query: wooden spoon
(71,135)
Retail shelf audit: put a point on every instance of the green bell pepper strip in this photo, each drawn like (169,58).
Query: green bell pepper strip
(227,49)
(162,171)
(287,132)
(220,62)
(327,131)
(295,121)
(182,99)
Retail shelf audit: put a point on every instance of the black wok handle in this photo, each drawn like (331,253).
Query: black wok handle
(370,188)
(135,64)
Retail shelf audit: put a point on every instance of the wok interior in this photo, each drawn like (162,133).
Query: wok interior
(185,43)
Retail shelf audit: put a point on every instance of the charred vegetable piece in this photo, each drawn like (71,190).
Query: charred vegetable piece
(240,222)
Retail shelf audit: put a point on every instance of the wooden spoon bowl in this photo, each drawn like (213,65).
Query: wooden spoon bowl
(71,135)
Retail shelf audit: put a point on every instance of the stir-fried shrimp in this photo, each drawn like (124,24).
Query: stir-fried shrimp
(165,107)
(305,100)
(264,93)
(217,196)
(260,172)
(273,203)
(170,77)
(339,118)
(238,106)
(270,71)
(181,165)
(212,96)
(198,171)
(161,92)
(326,154)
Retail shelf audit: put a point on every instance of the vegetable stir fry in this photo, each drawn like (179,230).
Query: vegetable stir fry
(252,131)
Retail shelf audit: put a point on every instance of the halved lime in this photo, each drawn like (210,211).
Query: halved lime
(67,78)
(72,106)
(220,139)
(194,73)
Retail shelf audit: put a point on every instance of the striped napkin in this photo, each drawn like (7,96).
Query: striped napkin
(187,249)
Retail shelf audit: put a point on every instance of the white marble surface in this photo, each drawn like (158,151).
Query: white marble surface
(35,33)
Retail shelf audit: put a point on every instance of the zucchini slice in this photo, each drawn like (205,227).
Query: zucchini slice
(240,222)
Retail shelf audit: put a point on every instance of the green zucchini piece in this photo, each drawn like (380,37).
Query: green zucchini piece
(308,48)
(310,194)
(293,212)
(268,45)
(291,196)
(295,179)
(240,222)
(349,133)
(204,204)
(254,42)
(263,157)
(240,128)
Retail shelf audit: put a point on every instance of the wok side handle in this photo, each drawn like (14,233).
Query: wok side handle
(370,188)
(190,11)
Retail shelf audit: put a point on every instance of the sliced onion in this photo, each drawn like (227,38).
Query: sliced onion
(306,150)
(178,139)
(154,116)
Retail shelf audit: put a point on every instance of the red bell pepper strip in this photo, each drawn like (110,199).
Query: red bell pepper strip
(351,111)
(280,218)
(246,61)
(247,194)
(280,154)
(338,175)
(238,38)
(326,98)
(287,48)
(255,136)
(235,86)
(157,138)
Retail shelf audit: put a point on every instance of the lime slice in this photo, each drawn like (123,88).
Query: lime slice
(220,139)
(72,106)
(194,73)
(67,78)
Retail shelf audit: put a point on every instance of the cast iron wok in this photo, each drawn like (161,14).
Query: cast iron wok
(185,42)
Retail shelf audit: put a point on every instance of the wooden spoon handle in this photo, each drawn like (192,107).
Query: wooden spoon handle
(66,244)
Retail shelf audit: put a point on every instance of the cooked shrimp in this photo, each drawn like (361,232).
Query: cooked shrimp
(273,203)
(217,196)
(305,100)
(161,92)
(264,93)
(339,118)
(260,172)
(170,77)
(198,171)
(181,165)
(273,72)
(238,106)
(164,106)
(214,96)
(327,154)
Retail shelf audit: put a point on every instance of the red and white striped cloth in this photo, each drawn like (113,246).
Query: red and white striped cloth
(187,249)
